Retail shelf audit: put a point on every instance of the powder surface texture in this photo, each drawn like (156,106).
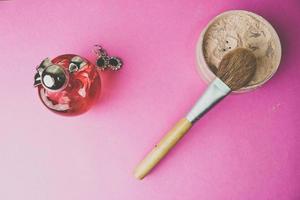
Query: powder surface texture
(241,29)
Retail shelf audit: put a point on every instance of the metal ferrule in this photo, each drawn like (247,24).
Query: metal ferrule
(216,91)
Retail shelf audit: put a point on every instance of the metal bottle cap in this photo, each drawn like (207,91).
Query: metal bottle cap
(53,77)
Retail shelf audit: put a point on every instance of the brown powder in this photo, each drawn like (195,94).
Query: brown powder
(242,29)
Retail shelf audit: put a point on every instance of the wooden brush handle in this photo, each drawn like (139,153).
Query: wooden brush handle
(162,148)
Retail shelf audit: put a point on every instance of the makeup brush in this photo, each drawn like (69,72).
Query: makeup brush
(235,70)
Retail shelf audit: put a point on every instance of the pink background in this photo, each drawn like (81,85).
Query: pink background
(247,147)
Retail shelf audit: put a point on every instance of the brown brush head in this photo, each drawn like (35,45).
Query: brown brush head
(237,68)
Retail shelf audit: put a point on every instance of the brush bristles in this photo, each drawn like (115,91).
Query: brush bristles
(237,68)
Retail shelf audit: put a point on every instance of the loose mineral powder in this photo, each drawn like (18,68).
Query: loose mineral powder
(234,29)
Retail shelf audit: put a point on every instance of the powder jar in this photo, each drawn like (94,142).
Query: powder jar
(233,29)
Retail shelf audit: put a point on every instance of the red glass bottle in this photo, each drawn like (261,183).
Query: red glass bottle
(69,84)
(79,92)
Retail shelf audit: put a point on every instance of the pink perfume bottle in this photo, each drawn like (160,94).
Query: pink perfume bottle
(70,84)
